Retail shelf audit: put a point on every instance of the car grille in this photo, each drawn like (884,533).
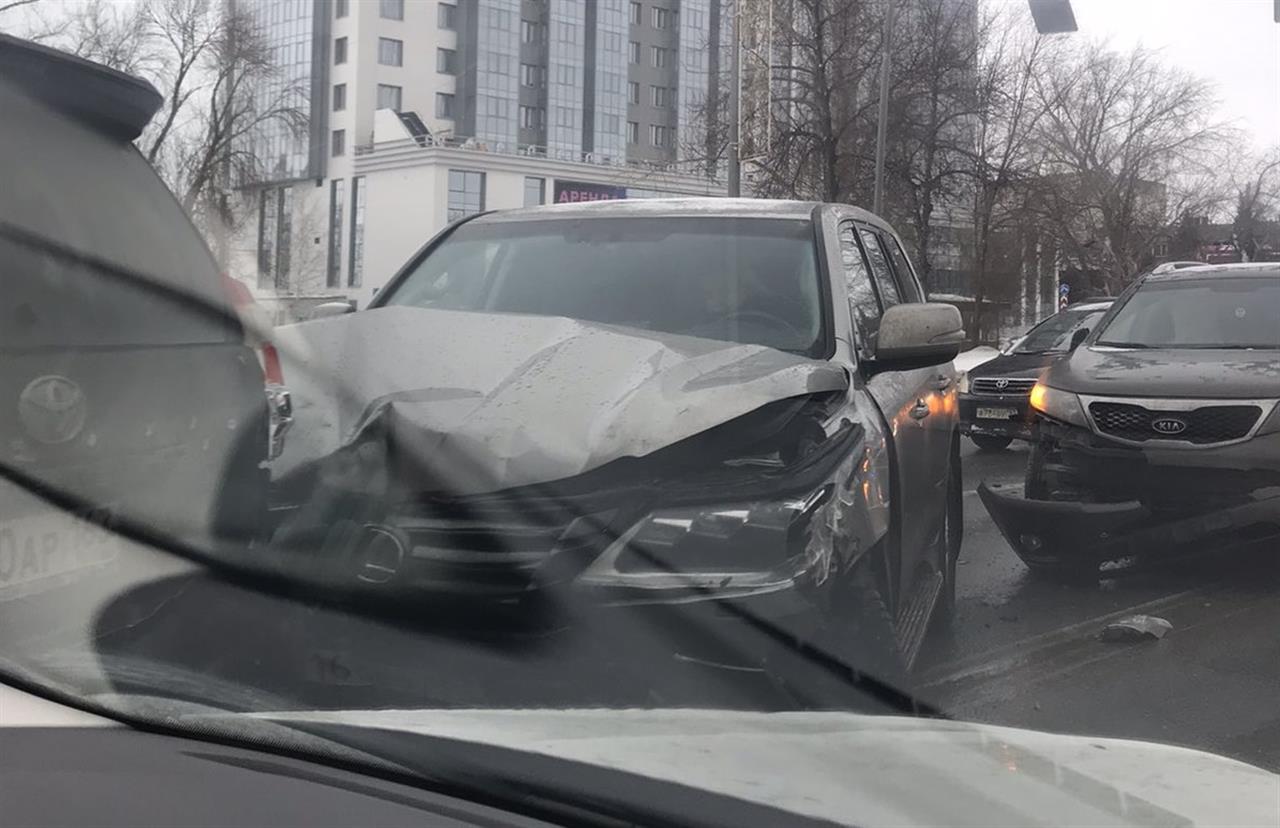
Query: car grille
(993,385)
(1206,425)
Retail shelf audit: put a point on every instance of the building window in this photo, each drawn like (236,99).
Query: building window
(636,15)
(339,51)
(633,92)
(659,136)
(340,8)
(444,105)
(532,117)
(661,96)
(338,143)
(633,132)
(661,18)
(447,61)
(447,16)
(633,52)
(388,97)
(390,52)
(466,193)
(275,238)
(609,123)
(391,9)
(660,57)
(566,75)
(565,116)
(566,32)
(339,97)
(333,276)
(356,269)
(531,32)
(535,192)
(533,76)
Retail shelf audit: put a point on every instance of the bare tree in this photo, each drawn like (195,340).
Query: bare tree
(1257,202)
(1127,142)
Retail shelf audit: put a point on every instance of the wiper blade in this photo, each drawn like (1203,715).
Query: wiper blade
(1138,345)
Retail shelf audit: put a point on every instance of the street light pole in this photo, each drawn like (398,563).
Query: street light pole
(882,125)
(735,91)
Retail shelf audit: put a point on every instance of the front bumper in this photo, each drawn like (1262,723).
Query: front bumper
(1016,424)
(1101,500)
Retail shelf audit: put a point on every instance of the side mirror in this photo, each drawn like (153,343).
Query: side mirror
(1078,337)
(917,336)
(327,309)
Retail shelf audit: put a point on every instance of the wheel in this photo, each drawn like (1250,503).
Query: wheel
(987,442)
(860,631)
(953,538)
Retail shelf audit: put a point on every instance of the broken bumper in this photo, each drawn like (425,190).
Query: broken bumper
(996,415)
(1104,501)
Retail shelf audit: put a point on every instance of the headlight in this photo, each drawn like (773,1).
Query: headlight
(1272,425)
(743,545)
(1058,404)
(963,385)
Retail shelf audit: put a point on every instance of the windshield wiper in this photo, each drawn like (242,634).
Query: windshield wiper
(1139,345)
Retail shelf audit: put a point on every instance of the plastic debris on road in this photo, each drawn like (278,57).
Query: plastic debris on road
(1136,628)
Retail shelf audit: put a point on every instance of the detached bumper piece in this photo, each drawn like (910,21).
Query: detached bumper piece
(1073,535)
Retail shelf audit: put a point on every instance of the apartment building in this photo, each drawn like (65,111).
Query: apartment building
(592,98)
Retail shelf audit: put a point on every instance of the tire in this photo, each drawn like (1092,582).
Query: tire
(986,442)
(860,632)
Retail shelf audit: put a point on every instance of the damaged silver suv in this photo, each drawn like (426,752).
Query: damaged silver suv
(1160,435)
(731,407)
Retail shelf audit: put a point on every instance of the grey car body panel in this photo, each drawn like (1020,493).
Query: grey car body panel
(547,398)
(1103,371)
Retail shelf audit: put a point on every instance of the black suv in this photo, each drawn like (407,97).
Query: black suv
(994,410)
(1161,433)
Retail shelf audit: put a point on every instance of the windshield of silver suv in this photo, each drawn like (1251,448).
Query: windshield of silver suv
(1213,312)
(753,281)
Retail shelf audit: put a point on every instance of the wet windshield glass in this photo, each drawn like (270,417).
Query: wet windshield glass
(1214,312)
(1054,334)
(752,280)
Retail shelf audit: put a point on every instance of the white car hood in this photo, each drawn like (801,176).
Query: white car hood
(873,771)
(500,400)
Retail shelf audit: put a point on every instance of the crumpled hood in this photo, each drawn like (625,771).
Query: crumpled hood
(501,400)
(873,771)
(1228,374)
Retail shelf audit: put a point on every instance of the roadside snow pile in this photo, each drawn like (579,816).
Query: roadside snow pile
(971,359)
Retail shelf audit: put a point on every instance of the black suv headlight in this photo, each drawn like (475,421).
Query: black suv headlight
(1057,404)
(758,544)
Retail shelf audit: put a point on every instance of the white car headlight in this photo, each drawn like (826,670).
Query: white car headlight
(1058,405)
(963,384)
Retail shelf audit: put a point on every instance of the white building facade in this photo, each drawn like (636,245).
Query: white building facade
(422,111)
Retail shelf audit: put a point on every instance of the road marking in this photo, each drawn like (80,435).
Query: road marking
(1001,659)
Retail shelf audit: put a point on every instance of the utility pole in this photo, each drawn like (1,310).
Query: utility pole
(882,125)
(735,92)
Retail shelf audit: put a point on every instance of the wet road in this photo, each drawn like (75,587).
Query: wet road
(1025,652)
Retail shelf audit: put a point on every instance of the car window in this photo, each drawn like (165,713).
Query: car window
(901,264)
(863,304)
(885,284)
(1216,312)
(1055,333)
(740,280)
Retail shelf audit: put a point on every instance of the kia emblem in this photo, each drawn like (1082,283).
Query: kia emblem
(1168,426)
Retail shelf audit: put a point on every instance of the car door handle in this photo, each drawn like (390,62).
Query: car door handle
(920,410)
(942,383)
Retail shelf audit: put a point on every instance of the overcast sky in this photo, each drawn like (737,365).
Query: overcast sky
(1234,43)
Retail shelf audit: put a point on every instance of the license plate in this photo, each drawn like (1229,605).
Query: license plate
(49,547)
(997,413)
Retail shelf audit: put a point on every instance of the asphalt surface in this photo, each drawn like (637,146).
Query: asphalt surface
(1022,652)
(1027,653)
